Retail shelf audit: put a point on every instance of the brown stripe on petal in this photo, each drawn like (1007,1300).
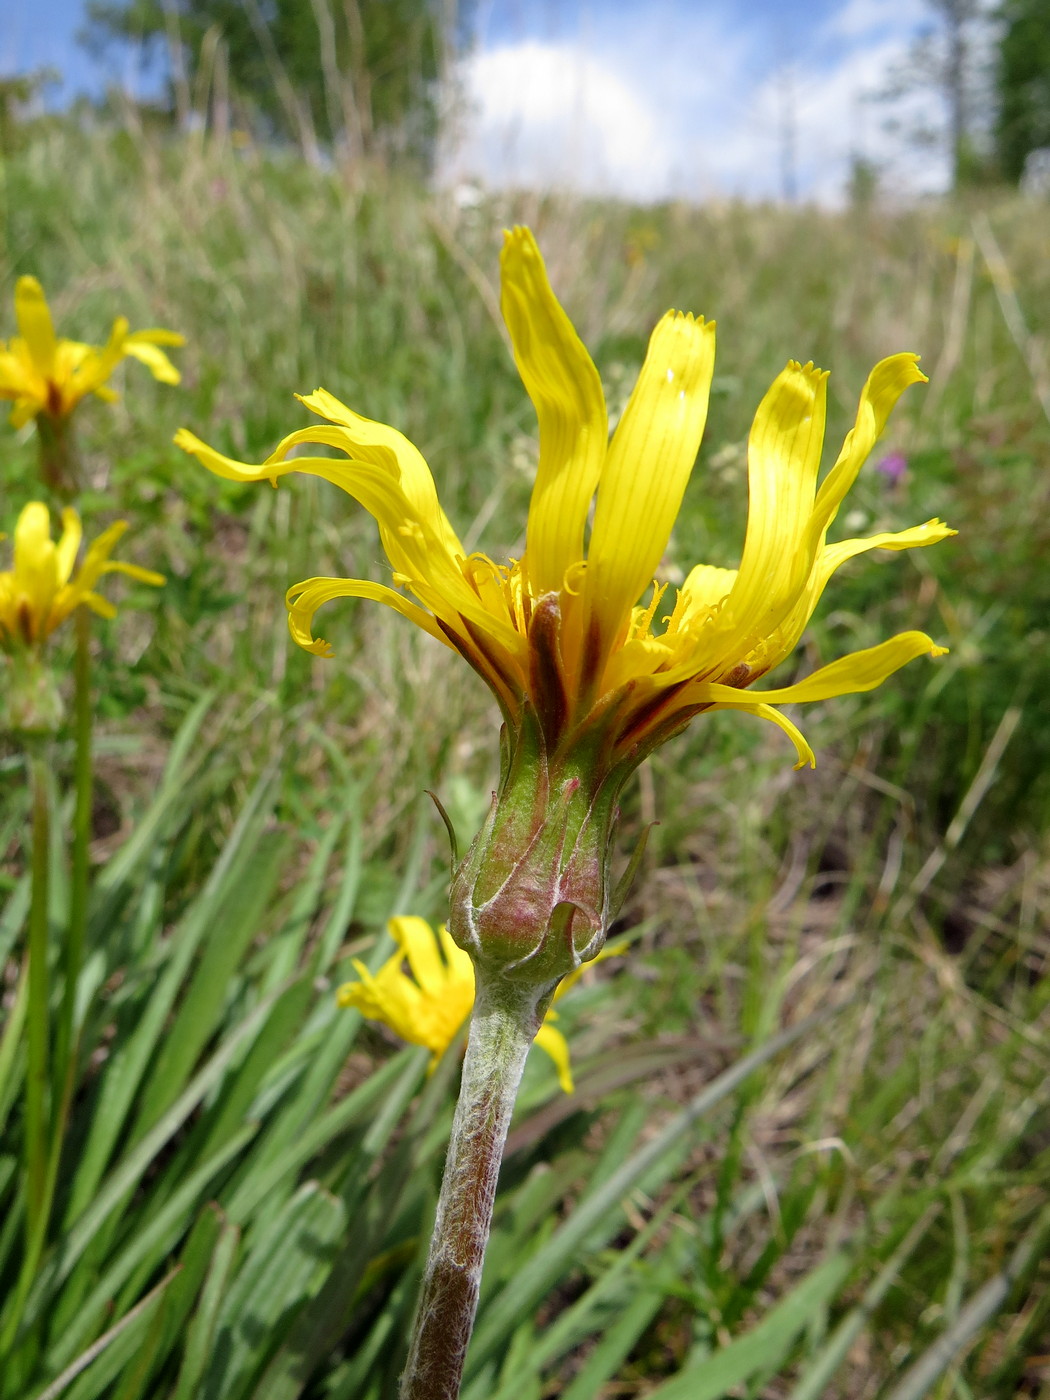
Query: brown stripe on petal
(592,663)
(25,621)
(476,649)
(656,721)
(546,683)
(740,676)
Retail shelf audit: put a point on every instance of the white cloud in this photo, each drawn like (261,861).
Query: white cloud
(542,114)
(670,102)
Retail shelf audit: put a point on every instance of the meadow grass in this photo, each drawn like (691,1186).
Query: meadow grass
(865,1213)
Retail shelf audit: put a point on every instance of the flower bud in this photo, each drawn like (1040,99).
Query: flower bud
(30,703)
(532,899)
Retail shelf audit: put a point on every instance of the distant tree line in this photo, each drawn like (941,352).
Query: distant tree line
(989,63)
(1022,123)
(361,74)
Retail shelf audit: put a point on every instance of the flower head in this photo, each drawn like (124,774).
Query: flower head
(41,590)
(431,1002)
(592,664)
(48,376)
(579,633)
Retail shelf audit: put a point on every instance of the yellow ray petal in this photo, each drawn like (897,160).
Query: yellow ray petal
(304,599)
(705,589)
(887,381)
(458,962)
(418,942)
(551,1040)
(150,354)
(97,556)
(35,562)
(23,411)
(390,997)
(69,544)
(18,377)
(413,546)
(860,671)
(566,391)
(802,748)
(96,366)
(787,636)
(367,441)
(648,465)
(783,462)
(35,325)
(95,601)
(135,571)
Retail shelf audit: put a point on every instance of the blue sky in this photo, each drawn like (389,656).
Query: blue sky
(646,98)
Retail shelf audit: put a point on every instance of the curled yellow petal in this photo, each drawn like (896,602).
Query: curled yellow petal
(885,384)
(143,347)
(304,599)
(364,440)
(806,756)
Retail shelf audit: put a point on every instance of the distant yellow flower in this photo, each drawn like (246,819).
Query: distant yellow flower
(40,591)
(430,1006)
(45,375)
(561,634)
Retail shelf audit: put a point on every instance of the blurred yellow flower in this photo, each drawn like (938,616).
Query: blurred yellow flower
(561,631)
(429,1006)
(40,591)
(45,375)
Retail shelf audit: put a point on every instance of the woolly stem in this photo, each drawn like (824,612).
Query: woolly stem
(39,1032)
(65,1047)
(505,1019)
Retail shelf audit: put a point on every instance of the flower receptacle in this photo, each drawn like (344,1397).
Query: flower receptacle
(30,703)
(532,898)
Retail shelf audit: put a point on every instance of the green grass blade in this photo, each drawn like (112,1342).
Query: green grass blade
(286,1266)
(125,1072)
(154,1238)
(130,1168)
(139,1313)
(201,1335)
(761,1351)
(924,1373)
(820,1371)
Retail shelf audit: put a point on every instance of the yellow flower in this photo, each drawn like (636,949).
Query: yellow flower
(40,592)
(562,632)
(45,375)
(429,1006)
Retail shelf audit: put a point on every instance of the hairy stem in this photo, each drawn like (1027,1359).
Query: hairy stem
(504,1021)
(39,1034)
(59,458)
(65,1047)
